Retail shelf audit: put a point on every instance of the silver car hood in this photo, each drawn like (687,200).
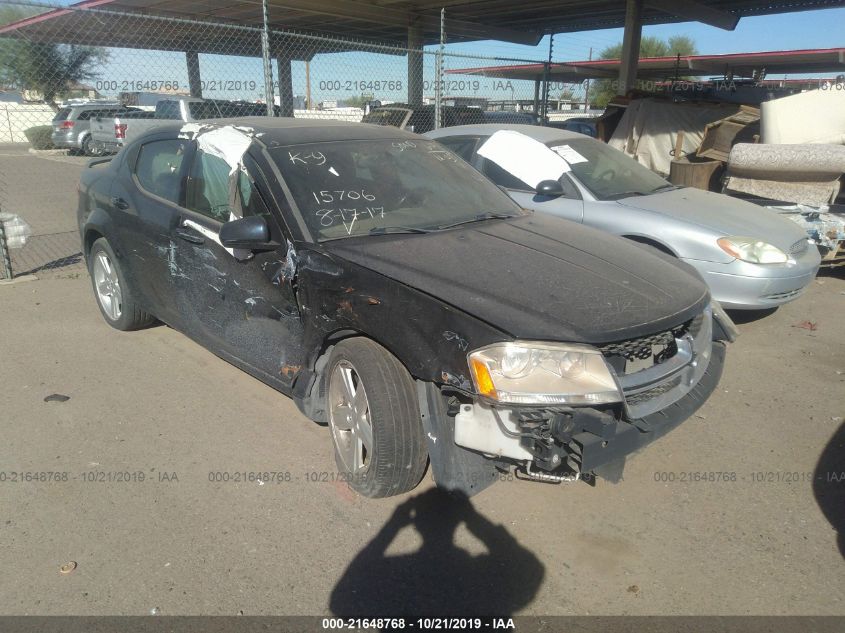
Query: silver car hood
(721,214)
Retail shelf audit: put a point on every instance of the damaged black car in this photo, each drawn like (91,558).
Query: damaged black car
(401,299)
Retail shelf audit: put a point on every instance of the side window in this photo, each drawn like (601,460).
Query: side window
(158,168)
(167,109)
(503,178)
(250,199)
(203,110)
(208,187)
(509,181)
(462,146)
(569,188)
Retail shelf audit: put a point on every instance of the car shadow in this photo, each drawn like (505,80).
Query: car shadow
(829,484)
(835,272)
(741,317)
(439,578)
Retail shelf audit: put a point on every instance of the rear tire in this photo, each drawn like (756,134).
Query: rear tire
(374,419)
(114,296)
(87,147)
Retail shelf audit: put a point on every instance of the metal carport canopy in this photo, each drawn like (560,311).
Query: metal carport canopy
(389,21)
(736,64)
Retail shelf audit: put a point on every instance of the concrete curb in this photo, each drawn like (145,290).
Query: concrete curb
(17,280)
(48,152)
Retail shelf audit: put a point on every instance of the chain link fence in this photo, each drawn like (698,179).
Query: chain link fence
(77,82)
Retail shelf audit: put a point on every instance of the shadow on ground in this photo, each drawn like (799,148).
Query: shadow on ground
(57,264)
(741,317)
(836,272)
(829,484)
(440,578)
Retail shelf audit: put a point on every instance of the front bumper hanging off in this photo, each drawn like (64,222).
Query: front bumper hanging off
(553,442)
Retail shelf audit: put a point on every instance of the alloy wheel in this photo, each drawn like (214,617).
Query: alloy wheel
(349,417)
(107,285)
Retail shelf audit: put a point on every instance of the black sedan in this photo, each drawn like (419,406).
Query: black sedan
(401,298)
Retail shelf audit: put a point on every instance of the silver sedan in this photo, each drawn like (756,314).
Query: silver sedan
(751,257)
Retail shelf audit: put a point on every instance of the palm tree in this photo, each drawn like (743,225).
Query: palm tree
(649,47)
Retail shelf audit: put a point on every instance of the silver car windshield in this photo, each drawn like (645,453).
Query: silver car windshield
(367,187)
(606,172)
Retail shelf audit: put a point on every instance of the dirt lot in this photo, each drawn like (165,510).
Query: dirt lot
(732,513)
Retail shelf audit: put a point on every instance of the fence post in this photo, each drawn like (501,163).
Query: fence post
(4,251)
(9,122)
(265,56)
(438,74)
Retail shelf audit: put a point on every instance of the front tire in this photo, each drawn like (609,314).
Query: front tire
(374,419)
(114,296)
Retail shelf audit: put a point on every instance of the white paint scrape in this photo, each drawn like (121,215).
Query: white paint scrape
(228,142)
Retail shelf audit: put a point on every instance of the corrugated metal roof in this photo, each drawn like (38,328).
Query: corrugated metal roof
(736,64)
(388,20)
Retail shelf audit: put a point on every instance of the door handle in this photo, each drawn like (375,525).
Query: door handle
(188,236)
(119,203)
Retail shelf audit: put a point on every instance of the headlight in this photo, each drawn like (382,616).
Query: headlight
(525,372)
(750,250)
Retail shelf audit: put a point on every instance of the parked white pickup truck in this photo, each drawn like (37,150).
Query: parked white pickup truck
(110,134)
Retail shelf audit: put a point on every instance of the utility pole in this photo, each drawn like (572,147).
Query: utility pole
(587,89)
(546,78)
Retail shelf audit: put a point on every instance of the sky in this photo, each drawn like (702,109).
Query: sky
(809,29)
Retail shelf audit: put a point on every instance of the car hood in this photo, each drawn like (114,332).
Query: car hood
(721,214)
(539,277)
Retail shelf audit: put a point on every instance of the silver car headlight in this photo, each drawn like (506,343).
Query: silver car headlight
(750,250)
(527,372)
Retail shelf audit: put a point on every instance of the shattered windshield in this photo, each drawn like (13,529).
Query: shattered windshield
(350,188)
(606,172)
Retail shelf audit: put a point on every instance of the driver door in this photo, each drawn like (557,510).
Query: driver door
(238,304)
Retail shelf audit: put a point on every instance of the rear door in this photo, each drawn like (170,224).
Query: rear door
(145,203)
(238,304)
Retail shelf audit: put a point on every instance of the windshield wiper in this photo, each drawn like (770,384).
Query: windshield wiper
(478,218)
(665,187)
(625,194)
(384,230)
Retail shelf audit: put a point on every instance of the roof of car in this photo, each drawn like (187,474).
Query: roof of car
(537,132)
(277,131)
(93,106)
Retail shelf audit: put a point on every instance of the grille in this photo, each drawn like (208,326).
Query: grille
(783,295)
(654,392)
(799,247)
(642,348)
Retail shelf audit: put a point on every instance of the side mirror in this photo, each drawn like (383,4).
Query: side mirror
(250,233)
(550,188)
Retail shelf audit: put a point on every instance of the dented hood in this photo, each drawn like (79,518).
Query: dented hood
(721,214)
(539,277)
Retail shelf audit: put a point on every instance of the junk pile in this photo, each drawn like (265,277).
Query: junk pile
(787,155)
(824,224)
(691,140)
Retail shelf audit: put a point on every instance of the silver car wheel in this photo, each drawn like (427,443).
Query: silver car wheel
(108,286)
(349,418)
